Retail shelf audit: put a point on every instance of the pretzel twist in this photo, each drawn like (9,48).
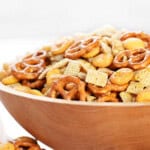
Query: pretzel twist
(82,47)
(60,87)
(135,59)
(30,67)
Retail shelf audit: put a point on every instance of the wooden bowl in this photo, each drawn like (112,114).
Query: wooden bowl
(73,125)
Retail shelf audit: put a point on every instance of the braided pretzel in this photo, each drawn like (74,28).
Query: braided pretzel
(26,143)
(41,54)
(139,58)
(141,35)
(80,48)
(59,86)
(30,67)
(135,59)
(121,59)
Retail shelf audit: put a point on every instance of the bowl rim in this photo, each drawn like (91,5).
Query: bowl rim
(7,89)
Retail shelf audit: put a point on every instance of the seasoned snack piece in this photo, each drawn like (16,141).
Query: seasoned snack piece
(62,46)
(50,74)
(7,146)
(35,92)
(143,96)
(133,43)
(106,70)
(108,88)
(126,97)
(82,47)
(98,61)
(59,87)
(135,87)
(81,75)
(34,84)
(141,35)
(57,65)
(3,74)
(117,46)
(73,68)
(85,65)
(92,53)
(6,71)
(116,87)
(143,76)
(97,77)
(110,97)
(26,143)
(9,80)
(98,90)
(122,76)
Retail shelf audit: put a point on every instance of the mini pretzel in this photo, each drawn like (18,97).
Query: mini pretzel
(139,58)
(30,67)
(141,35)
(82,47)
(121,59)
(41,54)
(26,143)
(59,87)
(135,59)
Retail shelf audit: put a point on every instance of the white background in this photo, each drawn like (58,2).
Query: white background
(28,24)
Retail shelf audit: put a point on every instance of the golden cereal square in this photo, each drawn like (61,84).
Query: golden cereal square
(143,76)
(135,87)
(126,97)
(72,69)
(96,77)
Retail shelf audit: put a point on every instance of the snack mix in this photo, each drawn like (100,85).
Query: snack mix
(108,65)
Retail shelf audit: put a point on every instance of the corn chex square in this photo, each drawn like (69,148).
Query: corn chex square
(97,77)
(72,68)
(126,97)
(143,76)
(135,87)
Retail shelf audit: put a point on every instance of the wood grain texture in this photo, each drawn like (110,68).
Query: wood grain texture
(82,127)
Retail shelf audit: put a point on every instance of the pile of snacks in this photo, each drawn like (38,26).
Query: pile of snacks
(21,143)
(107,65)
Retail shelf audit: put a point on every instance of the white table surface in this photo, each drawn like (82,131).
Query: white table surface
(10,48)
